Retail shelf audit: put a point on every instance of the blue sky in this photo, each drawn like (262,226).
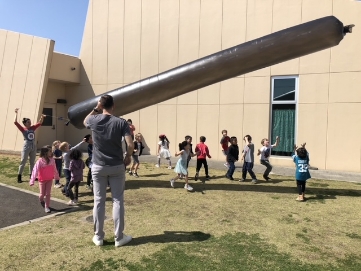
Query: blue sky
(59,20)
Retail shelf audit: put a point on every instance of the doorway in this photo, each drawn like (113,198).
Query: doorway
(47,131)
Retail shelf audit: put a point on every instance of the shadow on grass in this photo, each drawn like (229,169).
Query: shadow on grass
(167,237)
(314,193)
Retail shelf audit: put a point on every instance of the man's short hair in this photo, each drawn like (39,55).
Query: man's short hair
(106,101)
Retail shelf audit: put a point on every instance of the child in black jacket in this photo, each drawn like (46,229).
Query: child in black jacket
(232,157)
(138,149)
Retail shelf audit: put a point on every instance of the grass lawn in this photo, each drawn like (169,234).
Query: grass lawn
(223,225)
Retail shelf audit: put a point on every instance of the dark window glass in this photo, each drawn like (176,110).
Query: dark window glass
(48,121)
(284,89)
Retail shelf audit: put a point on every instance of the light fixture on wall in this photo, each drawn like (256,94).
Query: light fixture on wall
(73,68)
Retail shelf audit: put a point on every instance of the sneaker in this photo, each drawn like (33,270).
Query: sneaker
(188,187)
(130,173)
(242,180)
(196,177)
(71,203)
(169,167)
(172,183)
(76,201)
(254,181)
(266,178)
(207,178)
(47,210)
(57,185)
(42,203)
(135,175)
(97,242)
(125,240)
(226,165)
(156,165)
(87,187)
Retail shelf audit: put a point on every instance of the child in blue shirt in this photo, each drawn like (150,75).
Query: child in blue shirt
(301,159)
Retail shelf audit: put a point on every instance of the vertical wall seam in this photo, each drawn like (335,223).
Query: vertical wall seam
(107,54)
(2,61)
(176,99)
(11,85)
(328,98)
(199,48)
(220,83)
(244,77)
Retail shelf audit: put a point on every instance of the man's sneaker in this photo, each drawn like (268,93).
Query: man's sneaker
(226,165)
(188,187)
(125,240)
(96,241)
(242,180)
(207,178)
(169,167)
(71,203)
(254,181)
(135,175)
(47,210)
(172,183)
(196,176)
(156,165)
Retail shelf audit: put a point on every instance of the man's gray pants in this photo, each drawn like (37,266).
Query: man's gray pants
(115,175)
(29,150)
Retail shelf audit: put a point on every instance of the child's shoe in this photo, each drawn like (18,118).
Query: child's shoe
(242,180)
(172,183)
(76,201)
(254,181)
(169,167)
(130,173)
(135,175)
(196,176)
(71,203)
(188,187)
(207,178)
(47,210)
(156,165)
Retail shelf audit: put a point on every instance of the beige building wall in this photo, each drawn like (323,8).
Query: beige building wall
(125,41)
(24,70)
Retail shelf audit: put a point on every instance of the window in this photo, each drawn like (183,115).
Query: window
(48,121)
(283,113)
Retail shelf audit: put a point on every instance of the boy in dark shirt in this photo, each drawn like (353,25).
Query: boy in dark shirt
(232,157)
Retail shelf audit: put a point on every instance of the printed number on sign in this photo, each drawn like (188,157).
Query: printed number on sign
(302,168)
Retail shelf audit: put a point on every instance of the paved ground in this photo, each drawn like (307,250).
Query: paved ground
(283,171)
(21,206)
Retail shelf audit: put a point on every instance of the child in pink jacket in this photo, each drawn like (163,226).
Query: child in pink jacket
(45,170)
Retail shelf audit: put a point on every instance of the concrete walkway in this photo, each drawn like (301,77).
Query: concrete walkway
(283,171)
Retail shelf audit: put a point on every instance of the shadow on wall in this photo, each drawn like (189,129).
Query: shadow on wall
(146,150)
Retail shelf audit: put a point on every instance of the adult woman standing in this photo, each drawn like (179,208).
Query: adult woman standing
(29,148)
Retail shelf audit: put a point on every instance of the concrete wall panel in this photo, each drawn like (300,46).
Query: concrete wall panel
(115,41)
(232,91)
(132,40)
(100,43)
(313,88)
(149,65)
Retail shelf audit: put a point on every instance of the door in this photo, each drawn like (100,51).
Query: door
(47,131)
